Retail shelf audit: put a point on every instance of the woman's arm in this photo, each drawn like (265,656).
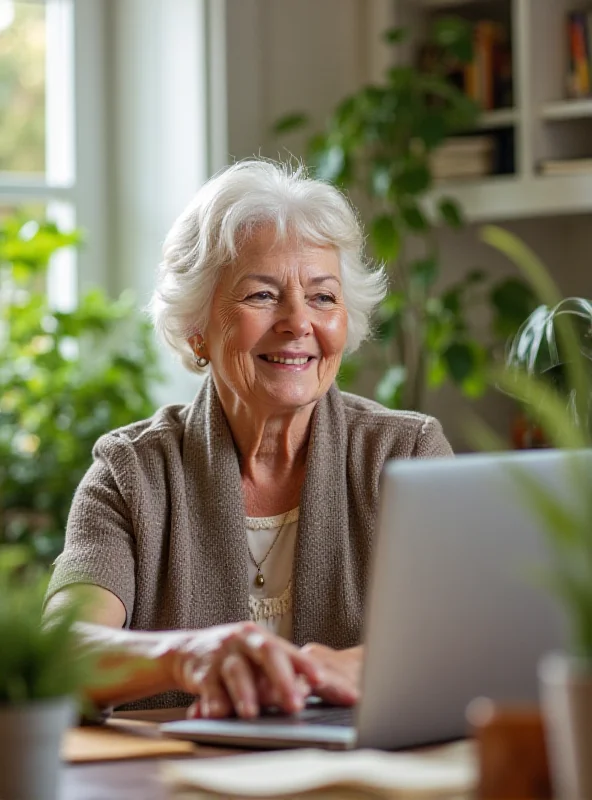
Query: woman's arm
(146,654)
(223,665)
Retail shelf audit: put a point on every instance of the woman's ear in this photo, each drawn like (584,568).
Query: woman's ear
(196,342)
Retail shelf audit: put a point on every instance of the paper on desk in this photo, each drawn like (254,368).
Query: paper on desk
(444,773)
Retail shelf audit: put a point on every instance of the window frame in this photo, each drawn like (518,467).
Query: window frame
(73,187)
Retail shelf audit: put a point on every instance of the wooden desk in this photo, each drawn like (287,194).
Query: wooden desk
(135,779)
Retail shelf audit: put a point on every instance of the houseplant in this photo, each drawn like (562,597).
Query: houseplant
(378,143)
(66,377)
(537,350)
(561,407)
(42,671)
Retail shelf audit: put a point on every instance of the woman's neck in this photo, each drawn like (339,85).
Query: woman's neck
(265,438)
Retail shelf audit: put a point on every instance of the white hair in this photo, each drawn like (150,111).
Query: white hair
(205,238)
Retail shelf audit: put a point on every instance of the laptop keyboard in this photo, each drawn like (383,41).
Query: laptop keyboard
(312,715)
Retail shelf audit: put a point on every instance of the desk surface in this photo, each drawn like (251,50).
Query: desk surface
(122,780)
(134,779)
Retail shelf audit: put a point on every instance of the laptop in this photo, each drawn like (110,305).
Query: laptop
(454,609)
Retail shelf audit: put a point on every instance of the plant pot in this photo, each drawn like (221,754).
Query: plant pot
(30,740)
(566,697)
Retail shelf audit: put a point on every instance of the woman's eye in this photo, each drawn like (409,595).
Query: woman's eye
(261,296)
(325,298)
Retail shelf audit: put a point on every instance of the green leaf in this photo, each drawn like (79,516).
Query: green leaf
(513,301)
(348,372)
(454,35)
(414,218)
(389,315)
(460,361)
(389,390)
(331,163)
(545,288)
(381,178)
(385,238)
(451,212)
(545,405)
(290,122)
(414,179)
(431,129)
(396,35)
(436,371)
(475,276)
(424,272)
(451,300)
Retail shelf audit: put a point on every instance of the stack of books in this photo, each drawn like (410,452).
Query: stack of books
(566,166)
(579,32)
(464,157)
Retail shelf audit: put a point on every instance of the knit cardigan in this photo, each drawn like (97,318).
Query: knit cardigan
(159,521)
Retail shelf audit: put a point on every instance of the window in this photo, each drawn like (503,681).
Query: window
(38,174)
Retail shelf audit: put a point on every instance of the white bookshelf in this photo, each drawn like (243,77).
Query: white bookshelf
(567,109)
(546,124)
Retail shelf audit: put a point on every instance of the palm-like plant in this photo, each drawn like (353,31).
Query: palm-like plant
(553,342)
(537,350)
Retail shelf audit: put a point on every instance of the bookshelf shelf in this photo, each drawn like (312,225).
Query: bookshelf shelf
(567,109)
(439,4)
(500,118)
(541,127)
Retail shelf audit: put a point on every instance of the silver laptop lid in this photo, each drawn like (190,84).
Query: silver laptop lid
(454,610)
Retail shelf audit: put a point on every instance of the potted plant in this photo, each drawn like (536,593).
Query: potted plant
(42,671)
(550,373)
(380,142)
(66,377)
(537,350)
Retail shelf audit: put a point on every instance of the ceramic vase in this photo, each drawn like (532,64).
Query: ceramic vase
(566,700)
(30,741)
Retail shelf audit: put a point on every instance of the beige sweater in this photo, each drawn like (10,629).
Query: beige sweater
(158,520)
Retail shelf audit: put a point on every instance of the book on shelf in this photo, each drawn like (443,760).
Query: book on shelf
(464,157)
(566,166)
(579,40)
(488,78)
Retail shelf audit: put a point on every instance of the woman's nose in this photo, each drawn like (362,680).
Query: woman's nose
(294,318)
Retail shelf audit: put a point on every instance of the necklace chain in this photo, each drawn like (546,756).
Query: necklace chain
(259,579)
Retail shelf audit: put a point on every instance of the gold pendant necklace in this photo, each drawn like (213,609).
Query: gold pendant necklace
(259,579)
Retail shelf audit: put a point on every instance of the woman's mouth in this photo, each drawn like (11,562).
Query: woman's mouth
(289,361)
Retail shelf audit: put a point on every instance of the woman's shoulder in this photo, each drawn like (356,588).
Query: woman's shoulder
(164,428)
(410,433)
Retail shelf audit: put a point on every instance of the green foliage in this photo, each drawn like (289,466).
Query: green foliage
(555,336)
(380,140)
(41,656)
(22,90)
(65,379)
(536,349)
(36,662)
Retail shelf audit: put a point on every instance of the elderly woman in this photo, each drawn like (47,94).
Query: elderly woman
(228,542)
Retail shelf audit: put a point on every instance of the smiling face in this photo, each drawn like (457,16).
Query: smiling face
(278,323)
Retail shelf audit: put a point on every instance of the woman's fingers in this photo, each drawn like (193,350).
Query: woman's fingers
(338,692)
(239,681)
(275,661)
(213,702)
(269,696)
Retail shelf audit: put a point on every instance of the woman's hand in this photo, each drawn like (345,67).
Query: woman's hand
(238,667)
(339,676)
(340,673)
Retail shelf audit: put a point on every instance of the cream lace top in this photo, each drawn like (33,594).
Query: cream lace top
(271,604)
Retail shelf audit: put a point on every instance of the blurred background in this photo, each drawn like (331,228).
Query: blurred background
(437,116)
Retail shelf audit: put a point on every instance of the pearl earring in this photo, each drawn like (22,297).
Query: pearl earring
(201,360)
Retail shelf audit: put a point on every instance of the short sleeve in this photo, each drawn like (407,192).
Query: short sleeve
(431,442)
(100,547)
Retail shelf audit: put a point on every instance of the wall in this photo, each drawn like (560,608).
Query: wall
(277,56)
